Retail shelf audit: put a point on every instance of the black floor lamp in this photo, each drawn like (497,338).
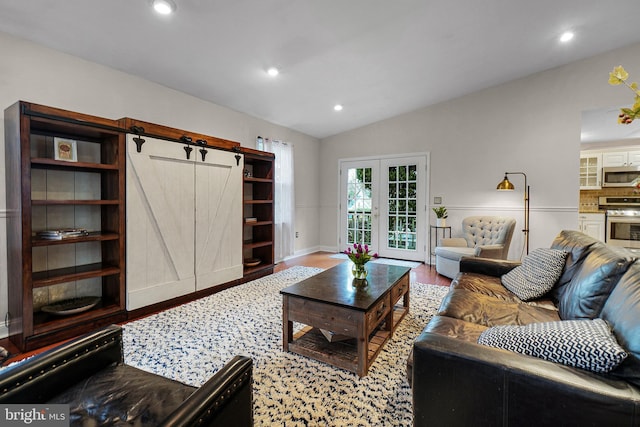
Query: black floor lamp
(506,185)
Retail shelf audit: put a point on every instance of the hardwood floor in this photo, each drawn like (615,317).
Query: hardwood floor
(421,274)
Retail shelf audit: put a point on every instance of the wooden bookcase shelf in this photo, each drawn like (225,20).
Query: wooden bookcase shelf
(47,324)
(254,179)
(258,223)
(43,193)
(44,163)
(91,237)
(253,245)
(259,202)
(258,191)
(69,274)
(74,202)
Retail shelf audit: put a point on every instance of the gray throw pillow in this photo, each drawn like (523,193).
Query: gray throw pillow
(586,344)
(539,272)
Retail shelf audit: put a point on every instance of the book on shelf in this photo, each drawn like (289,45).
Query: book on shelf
(251,219)
(61,234)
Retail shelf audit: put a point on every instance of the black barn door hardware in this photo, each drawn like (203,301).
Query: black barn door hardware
(203,151)
(187,140)
(137,139)
(237,156)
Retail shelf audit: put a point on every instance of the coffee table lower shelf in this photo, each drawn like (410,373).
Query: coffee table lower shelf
(310,342)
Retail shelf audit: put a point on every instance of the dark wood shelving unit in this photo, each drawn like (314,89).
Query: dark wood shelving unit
(258,200)
(44,193)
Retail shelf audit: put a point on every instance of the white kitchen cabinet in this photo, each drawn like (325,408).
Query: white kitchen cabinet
(183,222)
(592,224)
(621,158)
(633,158)
(590,171)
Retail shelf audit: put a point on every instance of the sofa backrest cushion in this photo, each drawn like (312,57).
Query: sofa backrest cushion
(622,312)
(578,246)
(594,279)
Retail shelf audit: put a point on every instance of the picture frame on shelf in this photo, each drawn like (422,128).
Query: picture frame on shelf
(65,149)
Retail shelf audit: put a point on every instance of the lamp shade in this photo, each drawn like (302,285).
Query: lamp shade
(505,185)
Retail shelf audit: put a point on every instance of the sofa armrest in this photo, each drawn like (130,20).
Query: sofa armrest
(456,382)
(225,399)
(453,241)
(45,375)
(487,266)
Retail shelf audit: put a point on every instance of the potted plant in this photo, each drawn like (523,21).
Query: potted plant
(441,216)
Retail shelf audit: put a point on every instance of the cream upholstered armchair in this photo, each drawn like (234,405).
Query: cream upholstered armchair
(483,236)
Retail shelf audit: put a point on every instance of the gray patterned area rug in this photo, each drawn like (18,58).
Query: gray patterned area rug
(190,342)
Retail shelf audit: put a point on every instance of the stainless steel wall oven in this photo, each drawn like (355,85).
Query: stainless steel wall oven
(622,221)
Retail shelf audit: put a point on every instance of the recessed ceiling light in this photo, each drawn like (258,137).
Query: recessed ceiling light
(337,107)
(164,7)
(566,36)
(273,71)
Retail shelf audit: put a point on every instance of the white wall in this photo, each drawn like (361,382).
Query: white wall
(530,125)
(33,73)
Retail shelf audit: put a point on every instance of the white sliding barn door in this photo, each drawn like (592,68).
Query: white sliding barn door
(218,218)
(184,220)
(160,222)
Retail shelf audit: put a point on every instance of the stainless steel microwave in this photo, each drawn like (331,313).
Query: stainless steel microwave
(620,176)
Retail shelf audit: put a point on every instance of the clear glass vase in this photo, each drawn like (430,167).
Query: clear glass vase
(358,271)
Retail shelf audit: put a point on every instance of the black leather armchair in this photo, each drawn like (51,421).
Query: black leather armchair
(89,374)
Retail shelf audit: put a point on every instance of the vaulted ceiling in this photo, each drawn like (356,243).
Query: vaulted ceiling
(377,58)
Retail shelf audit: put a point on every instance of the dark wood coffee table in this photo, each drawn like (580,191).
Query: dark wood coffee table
(329,301)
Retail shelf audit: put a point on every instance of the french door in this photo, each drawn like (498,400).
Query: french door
(383,205)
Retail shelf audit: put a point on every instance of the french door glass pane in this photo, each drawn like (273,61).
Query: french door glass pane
(402,200)
(359,204)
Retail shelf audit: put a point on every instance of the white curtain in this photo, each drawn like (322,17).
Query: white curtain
(284,198)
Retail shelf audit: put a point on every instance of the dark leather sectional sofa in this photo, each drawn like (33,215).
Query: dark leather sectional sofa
(458,382)
(89,374)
